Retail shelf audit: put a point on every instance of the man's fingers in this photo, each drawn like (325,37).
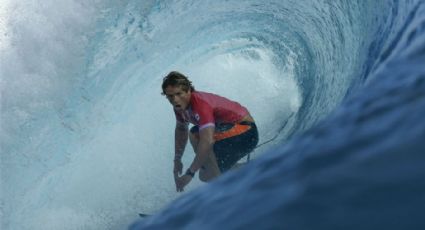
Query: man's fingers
(177,181)
(180,189)
(179,185)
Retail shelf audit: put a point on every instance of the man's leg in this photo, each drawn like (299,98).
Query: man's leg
(210,169)
(230,150)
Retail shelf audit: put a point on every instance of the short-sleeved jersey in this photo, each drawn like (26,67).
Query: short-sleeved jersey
(207,109)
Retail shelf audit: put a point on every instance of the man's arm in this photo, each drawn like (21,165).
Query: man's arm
(181,137)
(205,147)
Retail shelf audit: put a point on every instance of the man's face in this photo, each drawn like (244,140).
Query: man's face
(178,97)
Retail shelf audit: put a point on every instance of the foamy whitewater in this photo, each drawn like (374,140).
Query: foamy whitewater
(337,89)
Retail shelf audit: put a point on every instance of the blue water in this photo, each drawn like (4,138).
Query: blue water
(87,139)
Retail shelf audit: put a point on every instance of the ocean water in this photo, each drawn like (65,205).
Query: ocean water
(337,89)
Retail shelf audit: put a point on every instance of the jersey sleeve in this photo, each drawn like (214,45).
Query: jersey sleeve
(204,114)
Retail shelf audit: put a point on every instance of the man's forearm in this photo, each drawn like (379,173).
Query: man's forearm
(181,137)
(203,151)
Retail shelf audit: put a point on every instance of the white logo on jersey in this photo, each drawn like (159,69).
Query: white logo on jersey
(197,116)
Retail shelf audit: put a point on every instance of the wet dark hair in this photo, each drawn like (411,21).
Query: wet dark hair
(175,78)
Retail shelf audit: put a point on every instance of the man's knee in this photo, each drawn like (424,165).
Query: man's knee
(205,175)
(203,178)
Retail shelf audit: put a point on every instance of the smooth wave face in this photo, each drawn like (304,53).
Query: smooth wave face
(87,138)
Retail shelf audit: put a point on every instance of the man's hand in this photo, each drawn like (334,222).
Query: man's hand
(182,181)
(178,167)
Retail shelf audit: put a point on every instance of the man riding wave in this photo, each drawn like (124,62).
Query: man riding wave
(223,131)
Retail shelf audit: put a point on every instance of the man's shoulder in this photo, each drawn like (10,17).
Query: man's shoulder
(205,95)
(201,99)
(201,93)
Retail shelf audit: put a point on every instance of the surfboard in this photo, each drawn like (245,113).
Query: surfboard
(143,215)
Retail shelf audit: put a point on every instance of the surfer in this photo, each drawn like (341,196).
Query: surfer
(223,131)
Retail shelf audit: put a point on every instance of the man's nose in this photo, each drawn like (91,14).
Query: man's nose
(174,99)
